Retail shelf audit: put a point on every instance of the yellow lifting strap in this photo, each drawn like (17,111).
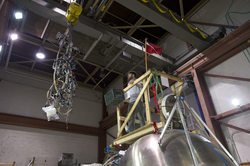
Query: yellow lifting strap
(73,12)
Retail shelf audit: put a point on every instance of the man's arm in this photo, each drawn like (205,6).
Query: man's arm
(139,85)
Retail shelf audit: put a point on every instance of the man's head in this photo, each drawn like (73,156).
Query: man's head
(131,75)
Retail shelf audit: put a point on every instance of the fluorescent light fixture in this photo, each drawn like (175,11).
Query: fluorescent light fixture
(235,102)
(14,36)
(60,11)
(69,1)
(1,48)
(40,55)
(41,2)
(18,15)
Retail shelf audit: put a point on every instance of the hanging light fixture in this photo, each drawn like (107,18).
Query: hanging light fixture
(18,15)
(236,102)
(102,73)
(14,36)
(40,54)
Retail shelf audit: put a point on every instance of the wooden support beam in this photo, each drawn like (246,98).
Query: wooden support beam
(44,124)
(235,127)
(228,77)
(231,112)
(118,117)
(207,107)
(133,136)
(168,76)
(135,104)
(137,81)
(245,164)
(122,118)
(147,106)
(111,120)
(13,164)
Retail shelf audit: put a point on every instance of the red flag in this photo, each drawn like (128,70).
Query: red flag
(153,49)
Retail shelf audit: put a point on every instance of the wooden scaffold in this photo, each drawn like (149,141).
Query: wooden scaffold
(149,127)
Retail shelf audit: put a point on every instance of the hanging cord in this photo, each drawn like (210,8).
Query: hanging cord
(155,127)
(227,15)
(153,90)
(120,148)
(146,61)
(178,21)
(110,159)
(157,83)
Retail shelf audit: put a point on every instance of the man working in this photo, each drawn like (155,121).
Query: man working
(133,93)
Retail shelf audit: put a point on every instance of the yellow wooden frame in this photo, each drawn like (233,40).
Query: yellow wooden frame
(148,128)
(13,164)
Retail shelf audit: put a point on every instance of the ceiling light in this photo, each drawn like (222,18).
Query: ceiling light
(14,36)
(102,73)
(69,1)
(1,48)
(18,15)
(41,2)
(235,102)
(60,11)
(40,55)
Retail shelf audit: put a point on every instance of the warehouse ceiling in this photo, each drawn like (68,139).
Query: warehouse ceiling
(37,32)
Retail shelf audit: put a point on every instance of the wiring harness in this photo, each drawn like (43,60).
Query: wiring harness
(60,94)
(178,21)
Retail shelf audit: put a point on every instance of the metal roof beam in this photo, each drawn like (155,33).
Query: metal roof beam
(167,22)
(86,26)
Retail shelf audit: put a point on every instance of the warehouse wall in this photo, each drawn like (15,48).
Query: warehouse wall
(213,12)
(223,91)
(117,85)
(21,144)
(26,97)
(113,131)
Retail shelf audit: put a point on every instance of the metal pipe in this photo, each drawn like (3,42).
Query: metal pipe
(168,121)
(188,136)
(93,5)
(45,29)
(224,149)
(1,5)
(136,26)
(111,48)
(87,72)
(181,8)
(9,54)
(116,56)
(99,8)
(93,72)
(104,77)
(106,9)
(92,46)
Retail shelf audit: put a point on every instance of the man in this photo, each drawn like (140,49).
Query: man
(133,93)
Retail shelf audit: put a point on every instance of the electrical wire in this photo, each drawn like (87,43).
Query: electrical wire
(178,21)
(110,159)
(227,15)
